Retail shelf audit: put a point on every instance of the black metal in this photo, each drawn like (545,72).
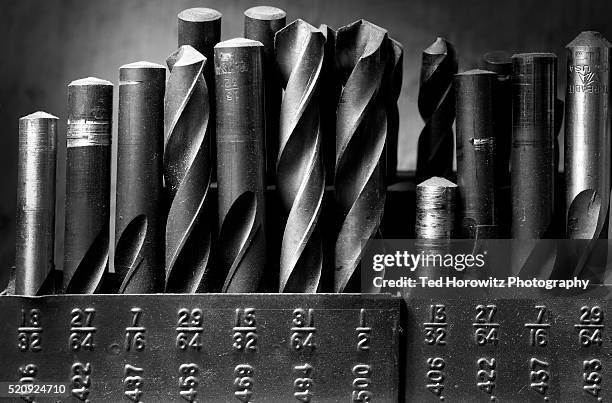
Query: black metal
(140,218)
(476,153)
(393,84)
(88,166)
(240,163)
(534,94)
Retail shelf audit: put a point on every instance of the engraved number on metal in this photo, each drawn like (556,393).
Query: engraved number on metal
(303,329)
(81,380)
(486,374)
(135,334)
(244,382)
(590,326)
(362,383)
(539,375)
(435,328)
(189,381)
(303,383)
(132,382)
(435,376)
(29,331)
(364,333)
(592,377)
(27,374)
(82,330)
(538,330)
(189,329)
(245,330)
(487,330)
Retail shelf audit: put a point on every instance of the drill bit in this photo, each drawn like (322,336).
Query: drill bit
(35,202)
(587,118)
(394,87)
(240,163)
(187,173)
(261,23)
(361,130)
(139,240)
(436,200)
(476,153)
(534,91)
(88,165)
(301,173)
(437,108)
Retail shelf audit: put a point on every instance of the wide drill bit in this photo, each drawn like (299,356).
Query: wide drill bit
(35,202)
(261,23)
(587,118)
(534,91)
(437,108)
(436,203)
(361,132)
(139,239)
(240,163)
(88,166)
(476,153)
(301,173)
(393,83)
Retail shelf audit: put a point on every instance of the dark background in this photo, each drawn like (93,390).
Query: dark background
(47,44)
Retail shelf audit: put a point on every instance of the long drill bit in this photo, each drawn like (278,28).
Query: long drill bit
(436,200)
(476,153)
(261,23)
(240,163)
(88,166)
(534,91)
(187,173)
(301,173)
(437,108)
(587,118)
(361,130)
(395,70)
(35,202)
(139,240)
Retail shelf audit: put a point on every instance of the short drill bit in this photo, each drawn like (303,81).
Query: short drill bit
(240,163)
(437,108)
(139,239)
(361,131)
(88,166)
(394,80)
(534,91)
(187,173)
(476,153)
(301,173)
(261,23)
(436,201)
(587,118)
(35,202)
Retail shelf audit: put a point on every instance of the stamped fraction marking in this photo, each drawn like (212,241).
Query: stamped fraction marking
(590,326)
(303,329)
(538,330)
(136,333)
(189,329)
(487,330)
(435,328)
(245,330)
(82,330)
(29,332)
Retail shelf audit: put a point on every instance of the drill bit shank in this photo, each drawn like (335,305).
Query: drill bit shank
(436,200)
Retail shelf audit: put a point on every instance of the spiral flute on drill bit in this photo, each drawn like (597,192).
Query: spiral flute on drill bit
(187,173)
(300,169)
(361,132)
(240,163)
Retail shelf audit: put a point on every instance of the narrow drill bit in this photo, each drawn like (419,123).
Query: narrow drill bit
(393,80)
(587,118)
(139,239)
(437,108)
(187,173)
(534,91)
(261,23)
(88,165)
(35,202)
(240,163)
(436,200)
(476,153)
(301,173)
(361,130)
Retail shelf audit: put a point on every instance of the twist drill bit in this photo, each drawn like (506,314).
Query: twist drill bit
(35,202)
(587,118)
(437,108)
(476,153)
(436,200)
(240,163)
(534,92)
(139,240)
(361,130)
(261,23)
(88,165)
(394,87)
(301,173)
(187,173)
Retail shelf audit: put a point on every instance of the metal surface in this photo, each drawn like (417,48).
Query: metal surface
(476,154)
(436,203)
(139,224)
(393,84)
(207,347)
(437,108)
(35,202)
(587,118)
(300,49)
(88,174)
(261,23)
(240,163)
(188,174)
(534,91)
(361,132)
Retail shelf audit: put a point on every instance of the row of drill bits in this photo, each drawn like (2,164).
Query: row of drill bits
(292,105)
(507,121)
